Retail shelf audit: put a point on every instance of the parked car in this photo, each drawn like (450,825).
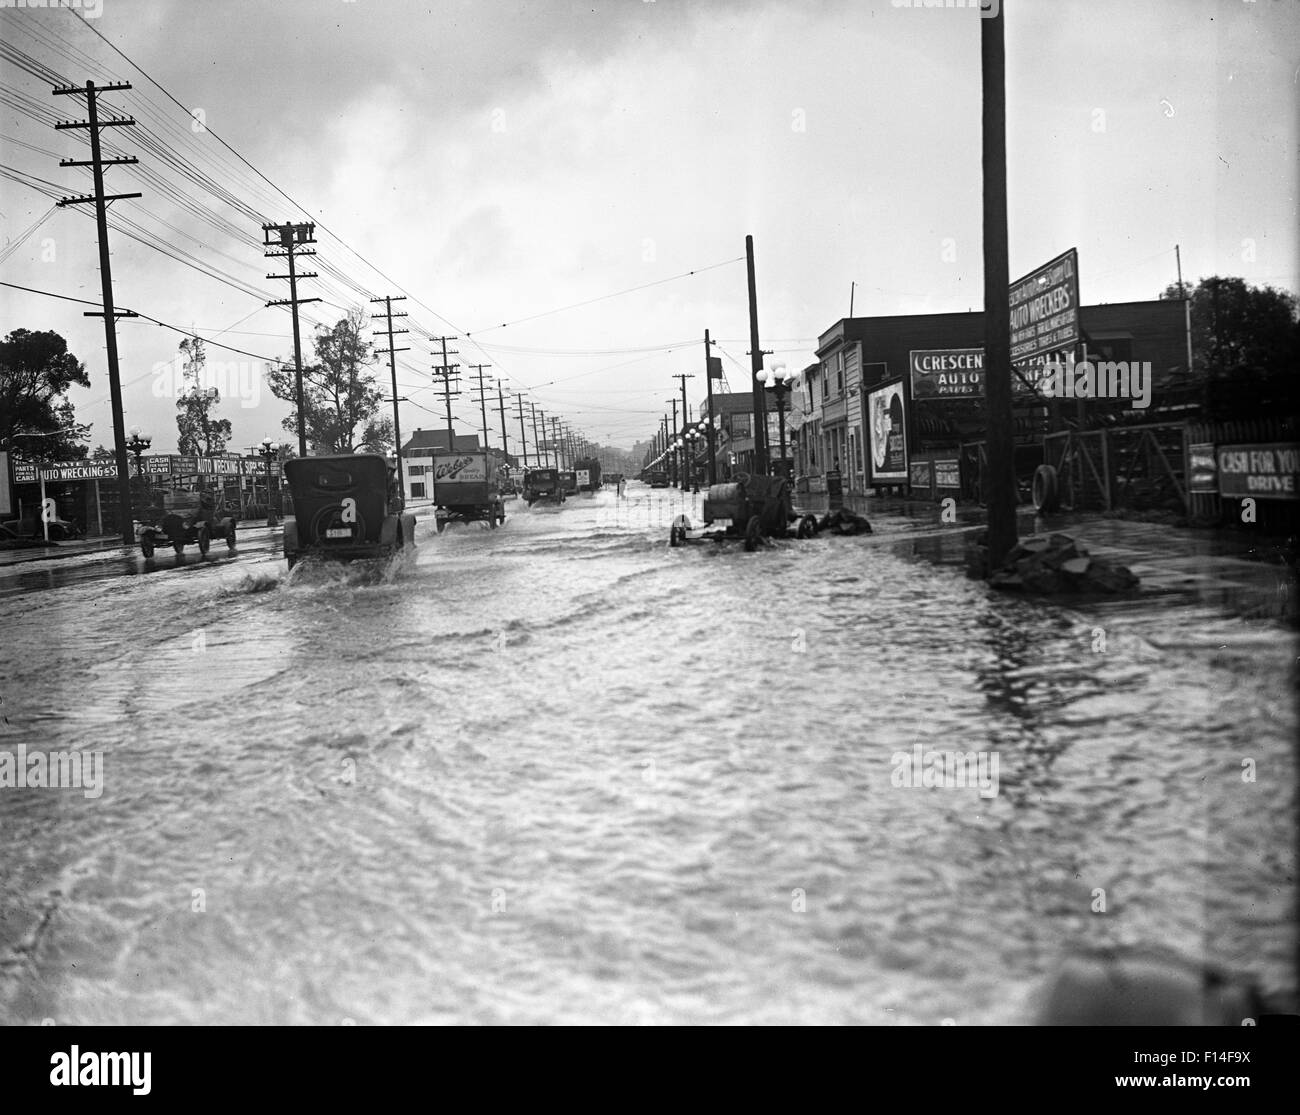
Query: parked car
(60,530)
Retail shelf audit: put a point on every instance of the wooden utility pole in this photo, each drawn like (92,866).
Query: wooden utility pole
(523,434)
(756,366)
(388,301)
(559,445)
(482,401)
(686,472)
(538,448)
(97,163)
(501,410)
(287,241)
(708,380)
(676,437)
(1001,493)
(445,372)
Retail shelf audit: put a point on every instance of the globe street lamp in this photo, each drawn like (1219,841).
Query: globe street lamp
(137,443)
(778,378)
(269,451)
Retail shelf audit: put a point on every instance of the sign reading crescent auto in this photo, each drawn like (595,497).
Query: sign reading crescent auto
(947,373)
(1045,308)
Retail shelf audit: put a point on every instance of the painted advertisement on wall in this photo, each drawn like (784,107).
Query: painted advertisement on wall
(887,433)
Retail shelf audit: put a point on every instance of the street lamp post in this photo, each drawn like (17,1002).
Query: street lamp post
(777,378)
(269,451)
(137,443)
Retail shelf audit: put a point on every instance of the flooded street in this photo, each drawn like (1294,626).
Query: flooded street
(559,772)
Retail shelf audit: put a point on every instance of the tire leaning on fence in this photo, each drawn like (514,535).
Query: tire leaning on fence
(1047,496)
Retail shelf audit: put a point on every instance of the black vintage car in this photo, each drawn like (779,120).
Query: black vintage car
(346,507)
(180,519)
(543,485)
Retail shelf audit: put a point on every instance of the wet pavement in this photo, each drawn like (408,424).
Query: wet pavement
(562,772)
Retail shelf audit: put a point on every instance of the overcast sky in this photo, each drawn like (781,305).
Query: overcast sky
(501,160)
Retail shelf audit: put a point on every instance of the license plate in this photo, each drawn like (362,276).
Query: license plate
(339,532)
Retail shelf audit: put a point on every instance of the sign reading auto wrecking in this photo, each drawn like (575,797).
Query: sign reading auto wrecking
(947,373)
(1260,471)
(156,465)
(80,470)
(1045,308)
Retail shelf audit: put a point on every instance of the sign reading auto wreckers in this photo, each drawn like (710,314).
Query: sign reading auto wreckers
(1045,308)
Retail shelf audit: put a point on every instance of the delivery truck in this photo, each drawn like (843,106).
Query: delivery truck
(466,489)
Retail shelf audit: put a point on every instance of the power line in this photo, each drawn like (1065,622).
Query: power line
(604,297)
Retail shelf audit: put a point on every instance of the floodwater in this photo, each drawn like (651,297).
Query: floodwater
(560,772)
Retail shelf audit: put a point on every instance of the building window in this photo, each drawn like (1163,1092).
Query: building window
(839,373)
(417,489)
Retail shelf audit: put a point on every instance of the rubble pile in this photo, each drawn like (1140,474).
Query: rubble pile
(844,522)
(1050,563)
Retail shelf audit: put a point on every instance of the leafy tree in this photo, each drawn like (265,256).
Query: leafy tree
(198,433)
(36,369)
(341,399)
(1245,347)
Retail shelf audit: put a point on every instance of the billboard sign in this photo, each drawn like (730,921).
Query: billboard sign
(1045,308)
(922,476)
(80,470)
(947,373)
(947,473)
(1202,469)
(1260,471)
(887,433)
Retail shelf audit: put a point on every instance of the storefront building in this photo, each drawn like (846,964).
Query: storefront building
(928,368)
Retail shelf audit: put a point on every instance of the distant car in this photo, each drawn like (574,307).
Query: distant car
(658,479)
(543,485)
